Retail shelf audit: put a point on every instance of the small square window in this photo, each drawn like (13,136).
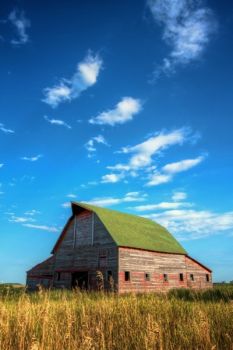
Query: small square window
(147,276)
(181,277)
(165,277)
(127,276)
(207,276)
(191,277)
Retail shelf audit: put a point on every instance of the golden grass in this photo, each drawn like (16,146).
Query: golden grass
(65,320)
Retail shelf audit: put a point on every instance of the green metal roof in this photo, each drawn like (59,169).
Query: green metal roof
(134,231)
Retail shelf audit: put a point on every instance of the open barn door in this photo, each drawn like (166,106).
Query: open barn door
(80,280)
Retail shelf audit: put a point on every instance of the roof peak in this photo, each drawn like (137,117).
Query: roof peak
(86,204)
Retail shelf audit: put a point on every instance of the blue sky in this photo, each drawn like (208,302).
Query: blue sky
(126,105)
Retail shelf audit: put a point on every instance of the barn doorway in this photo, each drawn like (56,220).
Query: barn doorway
(80,279)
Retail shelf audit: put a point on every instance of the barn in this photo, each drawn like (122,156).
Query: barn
(122,251)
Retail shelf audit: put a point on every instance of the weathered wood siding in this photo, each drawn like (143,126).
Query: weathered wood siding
(199,275)
(41,274)
(86,246)
(141,262)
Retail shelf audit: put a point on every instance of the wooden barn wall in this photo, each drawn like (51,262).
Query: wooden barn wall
(85,250)
(140,262)
(199,274)
(41,274)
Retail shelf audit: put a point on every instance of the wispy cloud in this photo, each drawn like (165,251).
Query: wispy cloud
(5,130)
(91,144)
(194,224)
(169,170)
(68,89)
(71,195)
(183,165)
(42,227)
(32,212)
(188,26)
(32,159)
(186,222)
(57,122)
(179,196)
(143,153)
(158,179)
(66,205)
(20,219)
(160,206)
(112,178)
(110,201)
(123,112)
(1,165)
(21,23)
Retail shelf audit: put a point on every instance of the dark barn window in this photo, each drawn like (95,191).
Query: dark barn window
(165,277)
(58,276)
(207,277)
(191,277)
(127,276)
(147,276)
(181,277)
(109,275)
(102,261)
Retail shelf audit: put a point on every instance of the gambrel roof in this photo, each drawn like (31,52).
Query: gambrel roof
(132,231)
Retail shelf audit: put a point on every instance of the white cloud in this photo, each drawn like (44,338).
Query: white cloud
(19,219)
(66,90)
(158,179)
(1,165)
(57,94)
(21,23)
(5,130)
(71,195)
(169,170)
(194,224)
(112,178)
(90,145)
(32,159)
(109,201)
(66,205)
(42,227)
(179,196)
(160,206)
(57,122)
(183,165)
(144,151)
(119,167)
(188,26)
(136,194)
(32,212)
(142,155)
(123,112)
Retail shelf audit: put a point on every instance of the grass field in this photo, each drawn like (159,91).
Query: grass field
(65,320)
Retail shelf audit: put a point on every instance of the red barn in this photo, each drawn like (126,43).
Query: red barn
(131,252)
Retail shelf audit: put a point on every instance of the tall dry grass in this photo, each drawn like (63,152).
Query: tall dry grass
(65,320)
